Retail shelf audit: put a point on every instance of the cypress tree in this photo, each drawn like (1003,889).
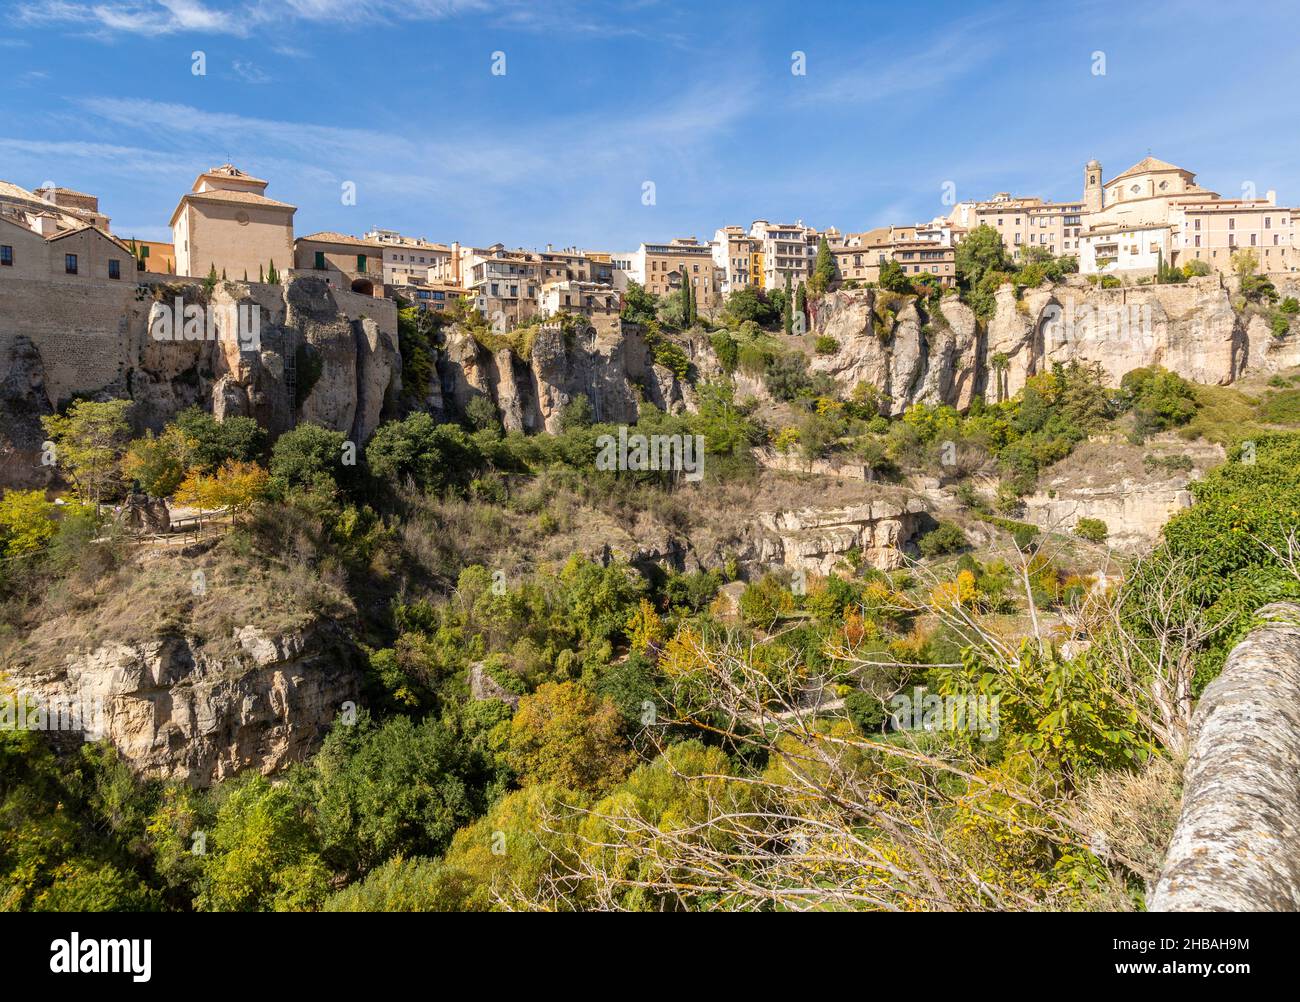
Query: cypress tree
(787,311)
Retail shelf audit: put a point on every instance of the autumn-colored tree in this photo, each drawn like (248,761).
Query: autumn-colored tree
(563,734)
(235,486)
(645,629)
(26,522)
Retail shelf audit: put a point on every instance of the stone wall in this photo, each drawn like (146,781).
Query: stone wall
(91,338)
(1237,843)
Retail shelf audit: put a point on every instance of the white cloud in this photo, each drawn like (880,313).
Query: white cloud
(250,72)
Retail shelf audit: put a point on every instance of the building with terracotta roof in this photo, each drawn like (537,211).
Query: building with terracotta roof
(1155,213)
(353,264)
(226,222)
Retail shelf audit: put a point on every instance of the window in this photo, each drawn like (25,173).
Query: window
(320,260)
(114,268)
(1252,240)
(70,264)
(6,256)
(361,264)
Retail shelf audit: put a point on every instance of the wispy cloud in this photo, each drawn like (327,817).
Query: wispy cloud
(250,72)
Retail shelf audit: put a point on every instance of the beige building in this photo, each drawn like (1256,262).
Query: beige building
(917,249)
(599,303)
(349,263)
(784,249)
(432,296)
(409,259)
(226,222)
(664,268)
(1025,221)
(1155,213)
(77,254)
(734,252)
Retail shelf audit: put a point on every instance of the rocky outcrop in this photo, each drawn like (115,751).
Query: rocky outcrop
(612,367)
(918,354)
(816,540)
(176,712)
(23,402)
(1237,843)
(321,355)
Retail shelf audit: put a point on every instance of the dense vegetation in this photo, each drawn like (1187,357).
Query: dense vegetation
(589,733)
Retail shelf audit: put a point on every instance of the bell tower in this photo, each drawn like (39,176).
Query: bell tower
(1092,193)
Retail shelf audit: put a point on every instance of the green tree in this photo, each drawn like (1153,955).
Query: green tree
(309,456)
(90,440)
(979,253)
(397,788)
(749,304)
(639,306)
(239,438)
(787,309)
(893,278)
(160,463)
(435,456)
(261,855)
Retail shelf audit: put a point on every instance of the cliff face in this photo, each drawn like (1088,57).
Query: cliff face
(325,356)
(614,369)
(177,712)
(1191,329)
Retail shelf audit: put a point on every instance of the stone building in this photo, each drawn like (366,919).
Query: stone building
(226,222)
(349,263)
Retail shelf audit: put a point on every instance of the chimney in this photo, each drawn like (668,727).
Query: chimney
(1271,197)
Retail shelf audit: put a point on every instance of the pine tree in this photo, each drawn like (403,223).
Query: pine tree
(261,276)
(272,276)
(801,300)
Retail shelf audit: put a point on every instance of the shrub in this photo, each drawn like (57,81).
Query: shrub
(827,345)
(946,537)
(1092,529)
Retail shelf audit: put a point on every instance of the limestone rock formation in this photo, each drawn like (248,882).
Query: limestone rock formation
(175,712)
(321,355)
(817,540)
(612,368)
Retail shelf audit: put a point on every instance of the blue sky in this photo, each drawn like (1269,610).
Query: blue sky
(398,97)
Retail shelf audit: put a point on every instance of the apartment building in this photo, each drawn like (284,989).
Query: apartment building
(1214,231)
(599,303)
(503,284)
(784,249)
(925,247)
(1024,222)
(408,259)
(431,296)
(664,268)
(860,256)
(734,252)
